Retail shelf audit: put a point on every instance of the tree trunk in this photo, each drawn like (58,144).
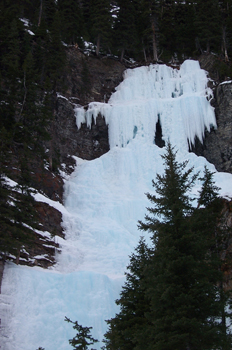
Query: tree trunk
(122,54)
(144,53)
(224,46)
(155,56)
(51,150)
(208,47)
(40,12)
(98,44)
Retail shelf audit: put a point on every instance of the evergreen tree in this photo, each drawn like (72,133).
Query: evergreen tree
(55,55)
(182,304)
(31,67)
(185,30)
(167,28)
(177,31)
(207,217)
(149,16)
(183,290)
(208,25)
(125,34)
(72,21)
(126,328)
(83,338)
(226,17)
(100,22)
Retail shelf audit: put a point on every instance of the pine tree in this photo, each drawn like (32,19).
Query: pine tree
(208,25)
(55,55)
(125,34)
(177,293)
(83,338)
(185,31)
(226,16)
(183,290)
(126,328)
(177,31)
(100,22)
(149,21)
(73,26)
(167,28)
(208,218)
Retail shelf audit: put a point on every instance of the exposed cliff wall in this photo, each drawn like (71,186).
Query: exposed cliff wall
(217,145)
(87,79)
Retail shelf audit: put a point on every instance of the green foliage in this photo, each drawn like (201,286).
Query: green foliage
(17,216)
(83,338)
(125,328)
(209,192)
(125,32)
(173,297)
(72,21)
(223,69)
(207,21)
(32,59)
(100,22)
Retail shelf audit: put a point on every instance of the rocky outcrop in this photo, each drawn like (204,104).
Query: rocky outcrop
(40,249)
(50,219)
(217,145)
(86,143)
(87,78)
(90,78)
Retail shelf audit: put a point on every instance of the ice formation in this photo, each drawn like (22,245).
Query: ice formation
(104,199)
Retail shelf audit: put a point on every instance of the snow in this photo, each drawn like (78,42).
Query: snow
(39,197)
(30,32)
(25,21)
(104,199)
(226,82)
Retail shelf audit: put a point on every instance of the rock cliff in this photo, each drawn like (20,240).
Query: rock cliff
(89,78)
(217,145)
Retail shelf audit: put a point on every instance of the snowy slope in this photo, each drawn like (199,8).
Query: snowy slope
(104,199)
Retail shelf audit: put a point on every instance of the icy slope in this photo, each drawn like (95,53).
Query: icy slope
(104,199)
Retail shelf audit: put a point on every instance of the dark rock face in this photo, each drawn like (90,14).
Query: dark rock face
(50,218)
(90,78)
(49,183)
(217,145)
(87,79)
(85,143)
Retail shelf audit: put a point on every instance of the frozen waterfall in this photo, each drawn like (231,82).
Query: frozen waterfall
(104,199)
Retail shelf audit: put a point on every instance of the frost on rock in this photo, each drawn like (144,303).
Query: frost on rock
(104,199)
